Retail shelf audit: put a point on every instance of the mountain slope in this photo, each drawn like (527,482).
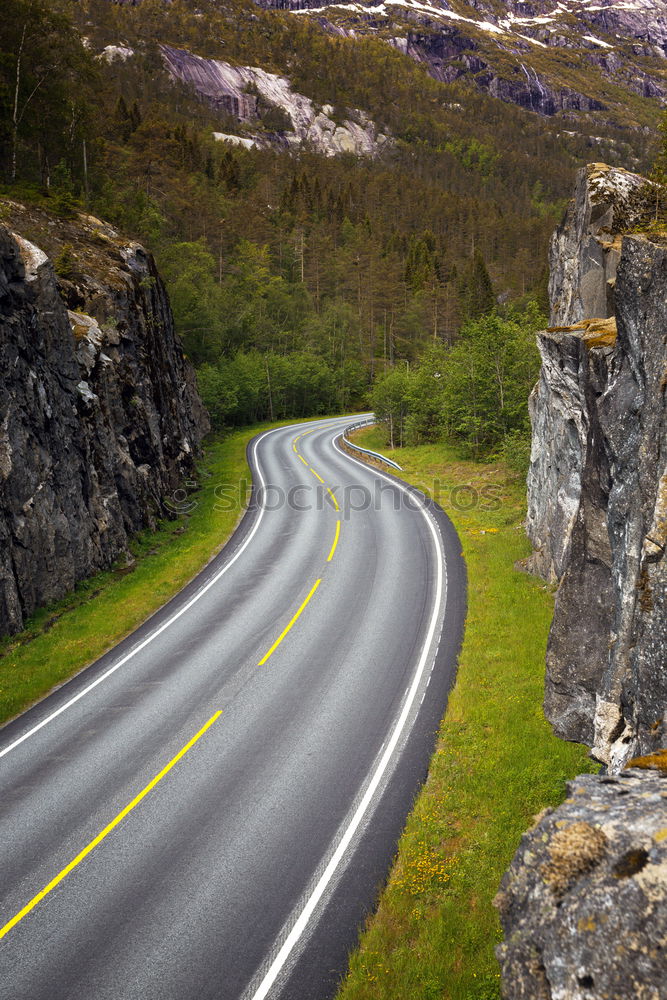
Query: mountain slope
(356,191)
(546,56)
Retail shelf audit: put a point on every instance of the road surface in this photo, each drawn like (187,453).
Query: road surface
(209,810)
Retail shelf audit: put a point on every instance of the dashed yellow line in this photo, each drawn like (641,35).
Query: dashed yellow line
(288,627)
(329,558)
(335,542)
(106,831)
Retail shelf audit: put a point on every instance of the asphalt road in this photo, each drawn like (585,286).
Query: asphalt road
(152,848)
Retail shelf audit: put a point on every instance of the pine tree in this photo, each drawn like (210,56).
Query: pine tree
(135,117)
(123,120)
(475,289)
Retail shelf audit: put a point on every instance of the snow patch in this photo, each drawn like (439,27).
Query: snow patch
(533,41)
(424,8)
(597,41)
(527,22)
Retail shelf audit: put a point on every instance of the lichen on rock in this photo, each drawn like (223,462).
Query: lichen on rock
(584,903)
(572,851)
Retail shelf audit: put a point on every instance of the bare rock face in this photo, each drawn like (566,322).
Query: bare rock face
(597,482)
(586,247)
(567,445)
(584,903)
(584,256)
(450,53)
(238,91)
(99,413)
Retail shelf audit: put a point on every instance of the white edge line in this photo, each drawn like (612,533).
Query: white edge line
(165,625)
(302,920)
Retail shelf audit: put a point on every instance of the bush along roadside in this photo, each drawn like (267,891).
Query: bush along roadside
(62,639)
(496,763)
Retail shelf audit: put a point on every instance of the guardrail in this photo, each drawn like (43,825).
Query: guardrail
(367,451)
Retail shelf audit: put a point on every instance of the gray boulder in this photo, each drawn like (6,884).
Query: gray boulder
(584,903)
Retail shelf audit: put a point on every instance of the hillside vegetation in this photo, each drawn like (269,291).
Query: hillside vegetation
(295,278)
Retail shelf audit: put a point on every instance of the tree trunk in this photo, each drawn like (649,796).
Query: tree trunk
(268,383)
(15,114)
(85,175)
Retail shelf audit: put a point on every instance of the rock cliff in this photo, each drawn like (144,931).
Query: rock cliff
(99,413)
(242,92)
(583,904)
(597,485)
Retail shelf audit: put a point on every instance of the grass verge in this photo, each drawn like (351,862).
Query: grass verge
(496,764)
(62,639)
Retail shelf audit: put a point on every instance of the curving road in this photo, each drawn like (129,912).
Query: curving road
(209,809)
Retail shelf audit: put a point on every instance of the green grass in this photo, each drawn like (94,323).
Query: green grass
(62,639)
(497,762)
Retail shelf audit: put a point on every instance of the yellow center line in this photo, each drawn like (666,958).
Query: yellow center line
(333,499)
(106,831)
(316,475)
(303,460)
(288,627)
(335,542)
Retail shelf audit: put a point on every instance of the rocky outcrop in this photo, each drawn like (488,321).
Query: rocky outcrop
(597,485)
(584,903)
(99,413)
(583,260)
(249,94)
(451,54)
